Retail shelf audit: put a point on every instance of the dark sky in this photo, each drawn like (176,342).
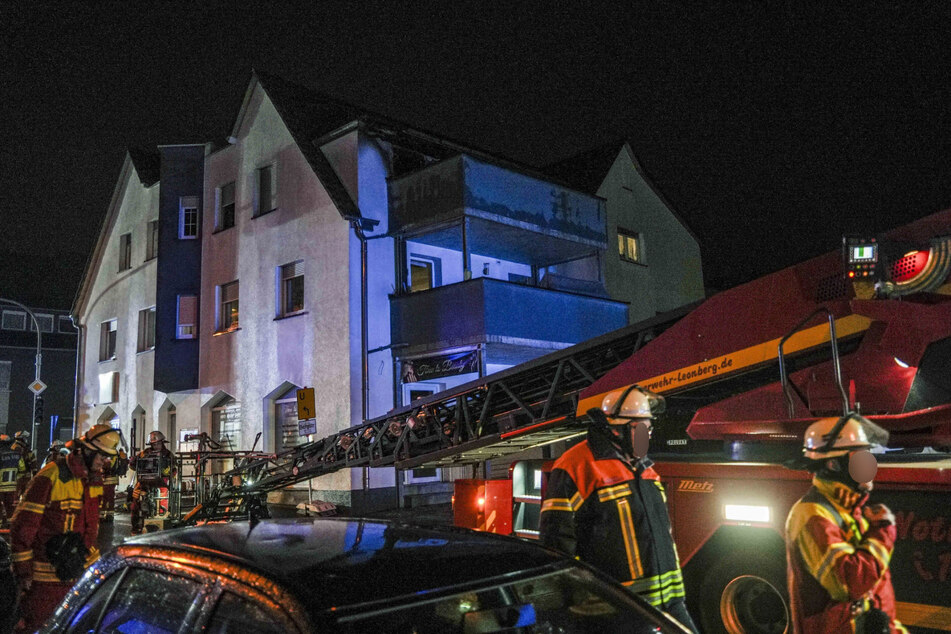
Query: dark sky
(772,128)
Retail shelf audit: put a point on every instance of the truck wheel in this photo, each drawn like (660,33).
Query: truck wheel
(745,597)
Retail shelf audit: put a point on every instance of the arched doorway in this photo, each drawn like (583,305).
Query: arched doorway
(280,419)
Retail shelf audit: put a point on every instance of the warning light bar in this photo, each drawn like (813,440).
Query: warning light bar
(746,513)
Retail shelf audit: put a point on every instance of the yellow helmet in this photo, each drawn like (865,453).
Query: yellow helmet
(851,437)
(101,438)
(632,402)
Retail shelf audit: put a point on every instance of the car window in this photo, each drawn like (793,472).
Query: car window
(88,615)
(568,601)
(239,615)
(149,602)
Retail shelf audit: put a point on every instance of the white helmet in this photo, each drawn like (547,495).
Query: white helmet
(852,437)
(631,402)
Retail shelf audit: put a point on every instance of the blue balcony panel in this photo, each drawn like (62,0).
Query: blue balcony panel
(516,322)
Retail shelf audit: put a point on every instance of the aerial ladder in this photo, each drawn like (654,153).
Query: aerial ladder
(504,413)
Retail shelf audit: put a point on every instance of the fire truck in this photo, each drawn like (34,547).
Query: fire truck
(865,329)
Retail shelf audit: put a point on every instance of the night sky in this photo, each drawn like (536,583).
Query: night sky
(772,128)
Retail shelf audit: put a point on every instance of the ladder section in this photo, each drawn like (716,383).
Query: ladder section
(507,412)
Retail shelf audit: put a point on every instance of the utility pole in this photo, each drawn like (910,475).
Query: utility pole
(39,363)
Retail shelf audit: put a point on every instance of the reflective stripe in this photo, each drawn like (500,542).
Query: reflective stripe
(630,542)
(878,551)
(613,493)
(555,504)
(71,505)
(25,555)
(835,552)
(659,590)
(32,507)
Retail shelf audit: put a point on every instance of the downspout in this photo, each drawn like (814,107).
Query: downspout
(78,372)
(364,356)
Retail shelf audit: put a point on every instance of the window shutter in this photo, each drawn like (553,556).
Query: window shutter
(227,194)
(187,309)
(293,269)
(229,292)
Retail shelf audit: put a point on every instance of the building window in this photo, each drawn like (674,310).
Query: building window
(146,329)
(629,246)
(45,322)
(224,209)
(228,307)
(125,251)
(107,339)
(151,239)
(186,320)
(188,217)
(108,387)
(265,198)
(420,275)
(14,320)
(66,325)
(292,288)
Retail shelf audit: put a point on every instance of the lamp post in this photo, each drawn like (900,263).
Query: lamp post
(39,363)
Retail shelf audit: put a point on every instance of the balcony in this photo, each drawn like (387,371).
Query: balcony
(474,207)
(516,322)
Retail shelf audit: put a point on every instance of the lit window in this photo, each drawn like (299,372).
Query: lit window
(125,251)
(224,217)
(151,240)
(292,288)
(629,246)
(109,387)
(107,339)
(228,307)
(420,275)
(187,318)
(265,199)
(188,217)
(146,329)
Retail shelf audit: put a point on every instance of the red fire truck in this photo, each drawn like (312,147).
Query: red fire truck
(867,329)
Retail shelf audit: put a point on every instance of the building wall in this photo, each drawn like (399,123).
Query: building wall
(120,295)
(311,348)
(671,274)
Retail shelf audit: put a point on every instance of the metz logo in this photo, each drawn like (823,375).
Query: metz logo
(691,486)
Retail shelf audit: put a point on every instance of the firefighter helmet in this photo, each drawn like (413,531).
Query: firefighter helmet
(631,403)
(156,436)
(22,435)
(102,438)
(4,438)
(851,437)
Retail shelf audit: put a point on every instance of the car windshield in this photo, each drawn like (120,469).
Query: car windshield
(569,600)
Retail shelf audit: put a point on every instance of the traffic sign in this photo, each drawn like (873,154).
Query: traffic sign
(306,404)
(37,386)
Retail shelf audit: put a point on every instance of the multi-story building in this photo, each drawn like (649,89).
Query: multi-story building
(330,248)
(18,347)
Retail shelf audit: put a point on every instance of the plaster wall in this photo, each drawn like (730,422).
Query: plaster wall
(310,348)
(671,274)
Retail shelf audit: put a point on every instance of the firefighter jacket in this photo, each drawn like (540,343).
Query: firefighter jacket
(29,458)
(11,468)
(613,515)
(63,497)
(837,564)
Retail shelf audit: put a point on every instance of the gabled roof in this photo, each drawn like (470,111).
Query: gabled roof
(587,171)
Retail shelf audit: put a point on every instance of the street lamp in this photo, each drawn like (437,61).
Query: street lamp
(39,363)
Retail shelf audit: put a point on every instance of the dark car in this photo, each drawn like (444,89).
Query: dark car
(345,575)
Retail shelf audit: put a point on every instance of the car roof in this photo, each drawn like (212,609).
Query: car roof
(336,562)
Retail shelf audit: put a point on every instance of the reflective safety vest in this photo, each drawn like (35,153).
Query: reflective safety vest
(613,515)
(11,466)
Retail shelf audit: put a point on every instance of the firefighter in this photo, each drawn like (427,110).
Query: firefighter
(605,504)
(21,442)
(111,472)
(837,547)
(56,525)
(57,448)
(11,467)
(153,467)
